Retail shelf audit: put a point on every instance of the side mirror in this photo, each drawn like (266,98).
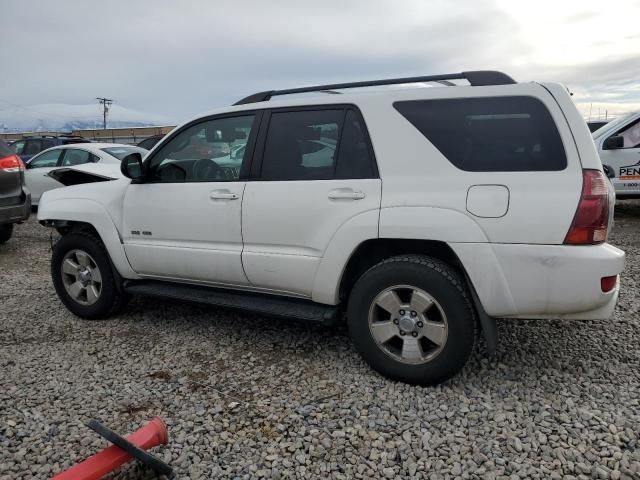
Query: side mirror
(131,166)
(608,171)
(613,143)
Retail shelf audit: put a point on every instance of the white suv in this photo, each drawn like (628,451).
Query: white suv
(421,213)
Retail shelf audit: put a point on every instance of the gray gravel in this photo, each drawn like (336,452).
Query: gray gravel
(249,397)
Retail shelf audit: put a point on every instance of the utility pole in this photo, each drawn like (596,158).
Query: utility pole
(106,103)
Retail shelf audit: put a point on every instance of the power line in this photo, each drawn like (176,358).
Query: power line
(32,112)
(106,103)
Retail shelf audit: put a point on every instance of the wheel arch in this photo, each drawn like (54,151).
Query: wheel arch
(373,251)
(66,215)
(406,229)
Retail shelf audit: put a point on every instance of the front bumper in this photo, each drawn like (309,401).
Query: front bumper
(16,213)
(543,281)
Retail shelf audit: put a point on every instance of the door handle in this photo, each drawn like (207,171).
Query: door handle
(223,195)
(346,194)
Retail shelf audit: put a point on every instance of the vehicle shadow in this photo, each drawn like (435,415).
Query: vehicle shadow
(528,350)
(627,209)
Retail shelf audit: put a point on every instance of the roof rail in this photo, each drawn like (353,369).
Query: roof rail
(476,78)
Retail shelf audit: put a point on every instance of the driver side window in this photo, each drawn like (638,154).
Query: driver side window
(210,151)
(631,135)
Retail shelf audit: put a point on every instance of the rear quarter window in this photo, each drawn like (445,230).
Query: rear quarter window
(489,134)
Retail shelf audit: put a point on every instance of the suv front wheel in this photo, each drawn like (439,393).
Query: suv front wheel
(83,278)
(411,319)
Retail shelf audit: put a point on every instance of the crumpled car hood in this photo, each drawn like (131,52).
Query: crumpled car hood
(86,173)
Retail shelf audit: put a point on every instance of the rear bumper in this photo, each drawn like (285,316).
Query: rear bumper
(16,213)
(543,281)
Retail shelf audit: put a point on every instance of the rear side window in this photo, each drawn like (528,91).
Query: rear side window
(18,147)
(316,145)
(48,143)
(302,145)
(354,160)
(490,134)
(74,156)
(32,147)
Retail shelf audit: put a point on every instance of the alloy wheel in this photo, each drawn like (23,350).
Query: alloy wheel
(81,277)
(408,324)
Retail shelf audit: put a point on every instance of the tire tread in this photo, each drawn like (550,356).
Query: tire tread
(119,299)
(453,278)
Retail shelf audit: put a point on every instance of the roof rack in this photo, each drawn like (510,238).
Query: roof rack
(476,78)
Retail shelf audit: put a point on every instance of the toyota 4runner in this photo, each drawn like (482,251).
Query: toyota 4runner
(420,213)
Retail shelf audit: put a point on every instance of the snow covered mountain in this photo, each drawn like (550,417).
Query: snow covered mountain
(64,117)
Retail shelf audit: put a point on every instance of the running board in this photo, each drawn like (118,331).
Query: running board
(262,304)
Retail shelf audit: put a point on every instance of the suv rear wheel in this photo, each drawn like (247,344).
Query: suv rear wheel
(83,278)
(411,319)
(6,231)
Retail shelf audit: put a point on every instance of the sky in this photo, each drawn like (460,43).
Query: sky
(171,60)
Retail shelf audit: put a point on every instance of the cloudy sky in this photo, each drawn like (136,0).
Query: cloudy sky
(173,59)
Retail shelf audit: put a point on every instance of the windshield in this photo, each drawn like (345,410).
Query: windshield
(614,125)
(121,152)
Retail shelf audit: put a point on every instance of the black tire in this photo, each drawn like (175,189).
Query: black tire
(111,299)
(6,231)
(446,287)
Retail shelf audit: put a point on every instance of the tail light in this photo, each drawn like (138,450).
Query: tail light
(12,163)
(591,220)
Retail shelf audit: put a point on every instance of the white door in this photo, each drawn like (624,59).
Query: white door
(36,175)
(317,172)
(625,161)
(184,221)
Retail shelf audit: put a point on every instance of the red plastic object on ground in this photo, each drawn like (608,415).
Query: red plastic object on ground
(154,433)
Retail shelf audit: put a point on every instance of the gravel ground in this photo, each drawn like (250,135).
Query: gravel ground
(249,397)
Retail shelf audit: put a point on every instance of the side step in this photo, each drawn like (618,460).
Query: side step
(262,304)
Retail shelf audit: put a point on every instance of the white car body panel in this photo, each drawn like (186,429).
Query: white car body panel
(288,225)
(579,130)
(98,204)
(182,233)
(38,181)
(416,174)
(538,281)
(344,242)
(290,238)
